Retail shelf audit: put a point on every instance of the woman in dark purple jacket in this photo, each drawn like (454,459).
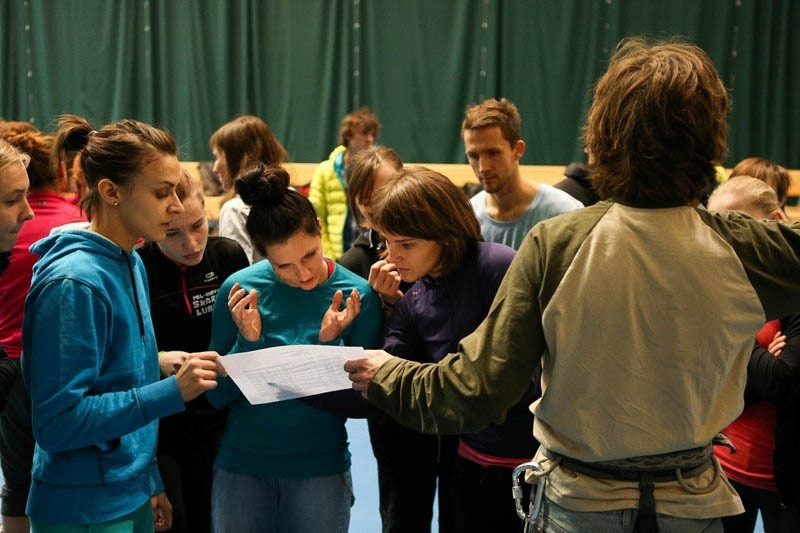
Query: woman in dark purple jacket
(433,239)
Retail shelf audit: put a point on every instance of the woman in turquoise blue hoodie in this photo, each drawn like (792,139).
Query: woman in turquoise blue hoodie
(285,466)
(89,352)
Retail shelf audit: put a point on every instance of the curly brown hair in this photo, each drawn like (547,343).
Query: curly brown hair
(29,140)
(657,124)
(358,121)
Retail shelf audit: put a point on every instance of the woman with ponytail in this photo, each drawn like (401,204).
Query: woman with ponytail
(285,466)
(89,359)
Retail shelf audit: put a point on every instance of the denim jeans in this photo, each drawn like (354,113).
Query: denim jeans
(554,518)
(247,504)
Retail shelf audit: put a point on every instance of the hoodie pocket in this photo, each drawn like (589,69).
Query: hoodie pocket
(114,461)
(125,460)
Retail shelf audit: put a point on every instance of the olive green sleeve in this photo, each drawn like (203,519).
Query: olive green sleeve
(770,254)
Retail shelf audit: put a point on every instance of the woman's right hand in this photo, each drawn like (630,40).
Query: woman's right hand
(244,311)
(199,374)
(385,280)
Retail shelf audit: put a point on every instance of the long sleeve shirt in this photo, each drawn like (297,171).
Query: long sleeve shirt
(642,351)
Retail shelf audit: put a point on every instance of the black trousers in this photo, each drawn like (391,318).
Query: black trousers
(776,518)
(16,448)
(187,448)
(410,467)
(482,495)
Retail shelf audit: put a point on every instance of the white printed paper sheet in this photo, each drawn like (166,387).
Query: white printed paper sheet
(289,372)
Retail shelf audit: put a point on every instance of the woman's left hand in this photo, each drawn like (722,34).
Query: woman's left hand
(172,361)
(777,345)
(162,512)
(244,312)
(335,321)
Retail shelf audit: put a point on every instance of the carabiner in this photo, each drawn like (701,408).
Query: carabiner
(536,497)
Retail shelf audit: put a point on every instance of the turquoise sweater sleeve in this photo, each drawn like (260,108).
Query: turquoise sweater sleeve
(62,371)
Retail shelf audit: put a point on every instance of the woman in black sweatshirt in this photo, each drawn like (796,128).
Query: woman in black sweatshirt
(184,273)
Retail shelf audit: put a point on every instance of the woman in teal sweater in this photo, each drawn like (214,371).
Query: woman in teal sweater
(285,466)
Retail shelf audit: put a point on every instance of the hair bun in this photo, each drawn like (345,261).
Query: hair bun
(262,183)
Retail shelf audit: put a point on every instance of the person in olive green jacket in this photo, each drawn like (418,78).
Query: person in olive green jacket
(643,354)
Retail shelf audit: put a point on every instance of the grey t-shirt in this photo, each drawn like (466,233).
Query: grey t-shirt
(547,203)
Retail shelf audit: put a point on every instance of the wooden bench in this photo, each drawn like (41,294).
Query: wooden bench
(459,173)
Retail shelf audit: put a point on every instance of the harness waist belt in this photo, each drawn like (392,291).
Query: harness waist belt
(674,466)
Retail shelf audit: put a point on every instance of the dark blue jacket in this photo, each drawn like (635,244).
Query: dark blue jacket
(435,314)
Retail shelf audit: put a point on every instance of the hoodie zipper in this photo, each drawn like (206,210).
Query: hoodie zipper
(136,298)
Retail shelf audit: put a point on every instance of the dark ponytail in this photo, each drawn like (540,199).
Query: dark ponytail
(277,212)
(116,151)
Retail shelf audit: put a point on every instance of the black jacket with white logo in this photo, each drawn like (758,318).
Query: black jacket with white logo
(181,301)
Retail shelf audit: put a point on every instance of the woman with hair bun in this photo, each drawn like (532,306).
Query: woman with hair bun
(285,466)
(89,359)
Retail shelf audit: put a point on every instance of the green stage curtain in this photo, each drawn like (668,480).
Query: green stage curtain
(192,65)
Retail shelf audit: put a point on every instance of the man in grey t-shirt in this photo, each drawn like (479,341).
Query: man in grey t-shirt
(509,206)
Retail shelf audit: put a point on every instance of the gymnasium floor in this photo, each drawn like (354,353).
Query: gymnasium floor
(364,516)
